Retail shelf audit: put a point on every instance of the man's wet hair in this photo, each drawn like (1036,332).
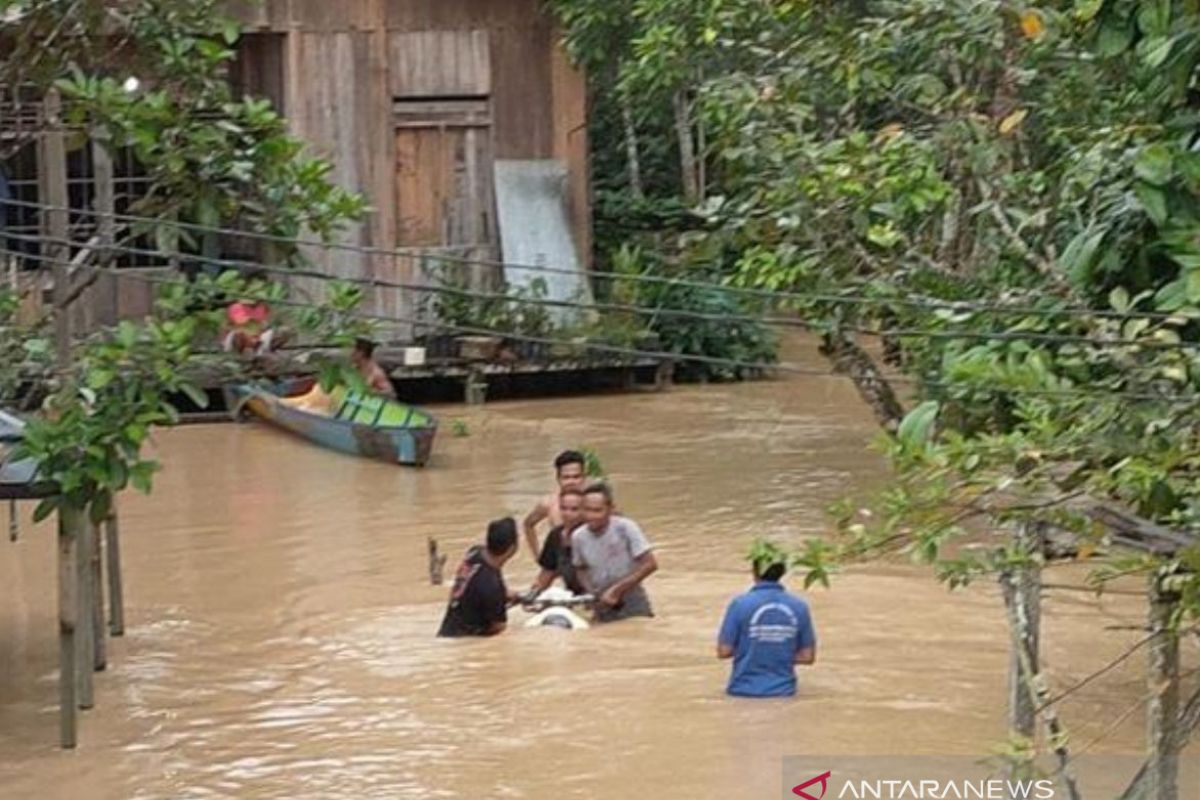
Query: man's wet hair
(569,457)
(773,572)
(364,346)
(571,490)
(600,488)
(501,535)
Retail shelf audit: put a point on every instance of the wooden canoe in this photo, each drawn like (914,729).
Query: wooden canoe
(357,423)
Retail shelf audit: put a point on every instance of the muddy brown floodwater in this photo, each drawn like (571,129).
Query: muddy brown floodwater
(281,621)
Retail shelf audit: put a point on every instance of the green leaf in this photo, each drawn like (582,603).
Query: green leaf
(1118,299)
(36,347)
(1171,297)
(141,475)
(1080,253)
(1154,51)
(100,507)
(1086,10)
(1115,38)
(916,429)
(98,378)
(1154,201)
(166,239)
(195,394)
(126,334)
(1154,17)
(45,508)
(231,32)
(1193,286)
(1155,164)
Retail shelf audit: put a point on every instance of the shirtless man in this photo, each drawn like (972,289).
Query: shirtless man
(376,379)
(569,470)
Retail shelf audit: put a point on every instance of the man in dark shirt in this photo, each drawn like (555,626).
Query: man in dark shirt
(555,557)
(479,599)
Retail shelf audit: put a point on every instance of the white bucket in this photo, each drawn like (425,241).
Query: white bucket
(414,356)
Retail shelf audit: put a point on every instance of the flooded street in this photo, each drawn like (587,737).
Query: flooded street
(280,621)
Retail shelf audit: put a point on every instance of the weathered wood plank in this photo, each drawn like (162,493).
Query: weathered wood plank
(521,93)
(569,103)
(453,63)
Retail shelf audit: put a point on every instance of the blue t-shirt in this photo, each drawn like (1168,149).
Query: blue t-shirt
(766,627)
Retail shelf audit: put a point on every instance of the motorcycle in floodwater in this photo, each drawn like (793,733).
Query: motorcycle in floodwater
(555,608)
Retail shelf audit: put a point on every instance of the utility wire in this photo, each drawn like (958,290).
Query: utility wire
(765,294)
(663,355)
(650,311)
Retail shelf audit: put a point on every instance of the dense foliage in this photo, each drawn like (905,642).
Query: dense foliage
(1008,192)
(150,76)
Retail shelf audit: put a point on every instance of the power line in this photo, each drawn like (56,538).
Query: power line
(651,311)
(675,356)
(765,294)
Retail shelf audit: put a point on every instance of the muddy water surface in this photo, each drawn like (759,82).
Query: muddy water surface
(280,622)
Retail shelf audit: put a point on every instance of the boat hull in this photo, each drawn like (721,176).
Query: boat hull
(410,446)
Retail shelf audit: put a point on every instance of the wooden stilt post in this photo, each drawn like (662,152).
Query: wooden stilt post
(52,191)
(437,563)
(1028,693)
(1162,712)
(96,585)
(1022,594)
(103,305)
(116,591)
(68,542)
(475,390)
(84,649)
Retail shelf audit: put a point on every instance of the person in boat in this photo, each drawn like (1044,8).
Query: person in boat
(612,558)
(570,471)
(555,556)
(248,328)
(767,631)
(363,358)
(479,599)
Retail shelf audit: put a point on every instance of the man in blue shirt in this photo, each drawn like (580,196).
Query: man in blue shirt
(766,632)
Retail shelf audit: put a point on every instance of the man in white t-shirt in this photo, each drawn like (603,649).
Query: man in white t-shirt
(612,557)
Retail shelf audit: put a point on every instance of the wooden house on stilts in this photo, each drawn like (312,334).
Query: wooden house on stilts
(462,122)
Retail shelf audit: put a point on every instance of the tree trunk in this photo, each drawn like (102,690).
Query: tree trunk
(633,160)
(687,146)
(850,359)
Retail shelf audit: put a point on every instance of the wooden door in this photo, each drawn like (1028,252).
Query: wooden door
(444,173)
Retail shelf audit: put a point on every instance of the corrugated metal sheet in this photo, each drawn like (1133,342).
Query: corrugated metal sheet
(535,229)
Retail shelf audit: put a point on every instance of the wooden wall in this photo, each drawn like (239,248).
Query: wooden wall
(347,61)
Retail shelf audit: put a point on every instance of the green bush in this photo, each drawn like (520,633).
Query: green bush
(714,335)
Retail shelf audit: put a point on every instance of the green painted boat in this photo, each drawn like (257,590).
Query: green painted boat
(353,422)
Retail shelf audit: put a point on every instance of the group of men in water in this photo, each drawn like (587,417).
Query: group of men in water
(601,554)
(593,550)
